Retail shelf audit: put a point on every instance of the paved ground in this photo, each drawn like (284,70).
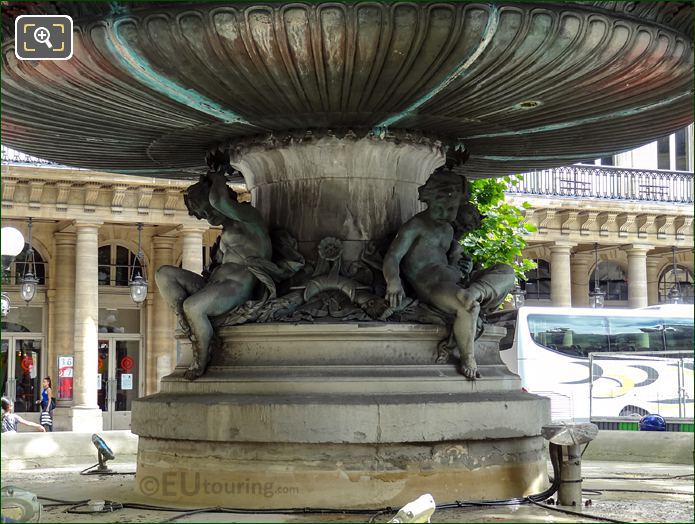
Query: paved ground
(624,492)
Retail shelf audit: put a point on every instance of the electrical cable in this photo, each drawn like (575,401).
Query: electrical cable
(63,501)
(578,514)
(663,477)
(85,472)
(87,469)
(660,492)
(247,511)
(109,506)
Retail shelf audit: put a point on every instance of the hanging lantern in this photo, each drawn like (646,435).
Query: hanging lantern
(674,295)
(138,282)
(597,296)
(518,296)
(29,280)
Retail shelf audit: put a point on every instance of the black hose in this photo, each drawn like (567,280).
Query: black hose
(577,513)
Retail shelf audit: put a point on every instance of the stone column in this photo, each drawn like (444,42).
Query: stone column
(63,310)
(581,265)
(161,354)
(637,274)
(560,274)
(86,415)
(192,248)
(653,264)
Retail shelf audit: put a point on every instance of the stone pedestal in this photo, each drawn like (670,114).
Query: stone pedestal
(341,415)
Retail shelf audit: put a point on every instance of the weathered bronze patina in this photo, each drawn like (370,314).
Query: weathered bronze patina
(427,249)
(230,279)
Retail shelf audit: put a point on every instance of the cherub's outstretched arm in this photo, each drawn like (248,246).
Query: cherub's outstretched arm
(392,262)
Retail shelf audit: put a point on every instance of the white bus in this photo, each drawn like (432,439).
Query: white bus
(603,363)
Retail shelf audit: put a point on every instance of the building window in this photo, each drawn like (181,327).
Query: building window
(674,153)
(611,280)
(682,278)
(18,268)
(115,263)
(21,356)
(606,161)
(663,160)
(681,151)
(113,320)
(537,284)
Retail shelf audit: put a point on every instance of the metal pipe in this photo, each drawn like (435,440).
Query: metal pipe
(570,492)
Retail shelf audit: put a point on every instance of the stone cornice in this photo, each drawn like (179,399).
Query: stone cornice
(625,223)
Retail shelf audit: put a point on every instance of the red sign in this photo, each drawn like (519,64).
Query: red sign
(65,373)
(101,365)
(27,362)
(127,363)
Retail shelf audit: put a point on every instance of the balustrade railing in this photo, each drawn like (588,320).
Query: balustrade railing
(606,182)
(585,181)
(12,157)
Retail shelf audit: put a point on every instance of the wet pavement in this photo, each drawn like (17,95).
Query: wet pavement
(613,492)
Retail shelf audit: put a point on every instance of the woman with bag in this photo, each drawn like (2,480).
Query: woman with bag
(48,404)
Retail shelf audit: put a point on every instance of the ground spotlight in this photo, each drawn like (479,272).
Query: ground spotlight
(104,454)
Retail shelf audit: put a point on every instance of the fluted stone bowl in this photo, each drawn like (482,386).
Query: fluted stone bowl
(152,87)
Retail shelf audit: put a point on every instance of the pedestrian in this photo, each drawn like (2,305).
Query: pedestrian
(48,404)
(10,420)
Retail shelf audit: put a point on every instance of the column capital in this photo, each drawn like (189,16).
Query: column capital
(191,230)
(65,239)
(84,223)
(637,249)
(562,247)
(653,262)
(583,258)
(162,242)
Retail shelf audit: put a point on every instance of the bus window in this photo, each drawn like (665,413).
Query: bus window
(636,334)
(678,334)
(572,335)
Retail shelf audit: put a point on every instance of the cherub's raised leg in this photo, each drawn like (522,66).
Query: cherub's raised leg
(465,305)
(215,299)
(176,285)
(464,331)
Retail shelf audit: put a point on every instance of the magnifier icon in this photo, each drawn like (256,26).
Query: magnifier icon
(43,36)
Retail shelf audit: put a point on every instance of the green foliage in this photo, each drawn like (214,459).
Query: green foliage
(501,236)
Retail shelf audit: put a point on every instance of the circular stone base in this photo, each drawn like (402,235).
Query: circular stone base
(341,415)
(338,475)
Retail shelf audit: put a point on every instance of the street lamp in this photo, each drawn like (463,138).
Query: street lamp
(12,243)
(596,296)
(138,282)
(518,296)
(29,280)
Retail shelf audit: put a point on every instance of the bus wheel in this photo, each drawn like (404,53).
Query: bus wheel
(631,411)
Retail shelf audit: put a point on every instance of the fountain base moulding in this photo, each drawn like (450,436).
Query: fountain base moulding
(340,415)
